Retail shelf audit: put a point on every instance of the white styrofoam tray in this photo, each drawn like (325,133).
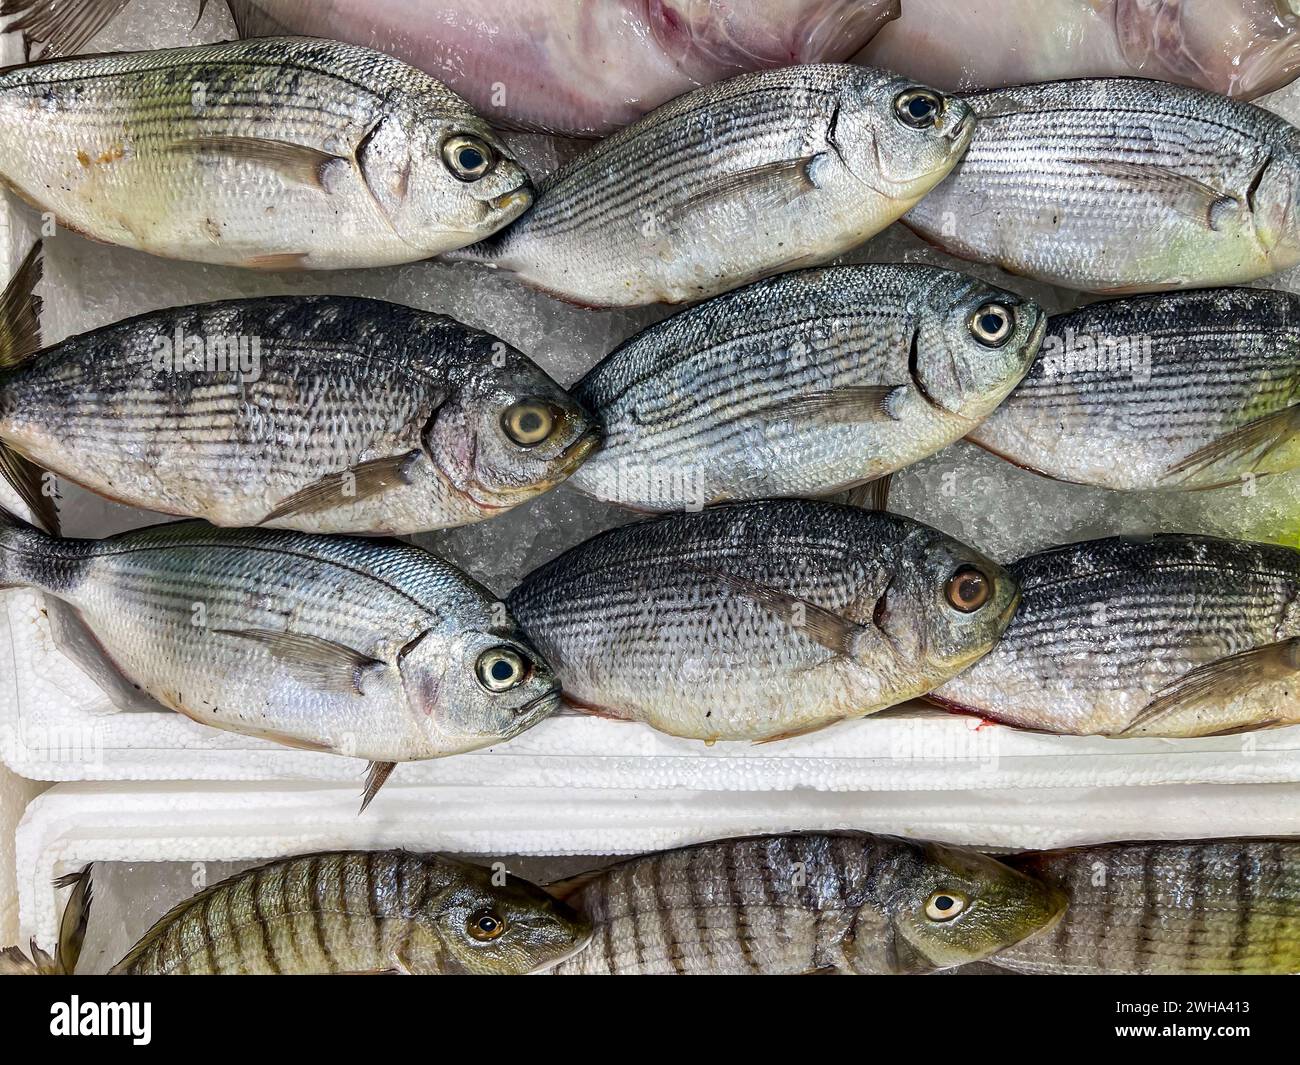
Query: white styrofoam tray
(71,825)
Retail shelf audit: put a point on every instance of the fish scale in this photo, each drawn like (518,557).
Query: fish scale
(1108,628)
(1202,185)
(728,184)
(1202,906)
(282,152)
(800,385)
(671,621)
(799,903)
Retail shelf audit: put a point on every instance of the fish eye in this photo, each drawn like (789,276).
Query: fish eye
(992,323)
(945,905)
(500,669)
(468,158)
(485,926)
(968,589)
(918,108)
(528,422)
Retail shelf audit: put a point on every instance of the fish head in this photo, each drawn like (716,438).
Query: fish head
(442,179)
(494,923)
(508,432)
(947,607)
(1275,204)
(897,136)
(949,906)
(479,685)
(973,344)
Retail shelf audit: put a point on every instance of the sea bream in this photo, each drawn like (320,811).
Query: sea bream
(573,67)
(1176,390)
(804,903)
(804,384)
(1121,185)
(1169,635)
(320,413)
(279,153)
(1242,48)
(730,183)
(369,648)
(758,621)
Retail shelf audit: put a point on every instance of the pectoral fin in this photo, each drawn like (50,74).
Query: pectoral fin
(298,164)
(327,665)
(377,773)
(874,495)
(835,633)
(1254,441)
(758,189)
(857,403)
(1222,681)
(348,486)
(1202,203)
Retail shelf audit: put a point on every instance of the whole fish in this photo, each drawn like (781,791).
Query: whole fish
(370,648)
(816,902)
(339,912)
(283,153)
(581,69)
(732,182)
(803,384)
(322,413)
(1195,907)
(761,620)
(1121,185)
(1145,636)
(1242,48)
(1180,390)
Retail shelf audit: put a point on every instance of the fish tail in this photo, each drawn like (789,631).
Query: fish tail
(72,934)
(20,552)
(20,311)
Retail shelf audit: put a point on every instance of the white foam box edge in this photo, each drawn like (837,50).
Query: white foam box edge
(73,824)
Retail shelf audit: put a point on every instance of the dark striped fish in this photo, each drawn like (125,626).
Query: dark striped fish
(1194,907)
(1177,390)
(803,385)
(1159,636)
(321,413)
(733,182)
(762,620)
(361,912)
(278,153)
(1121,185)
(838,902)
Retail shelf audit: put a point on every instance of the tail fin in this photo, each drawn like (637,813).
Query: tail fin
(18,542)
(20,337)
(60,27)
(72,934)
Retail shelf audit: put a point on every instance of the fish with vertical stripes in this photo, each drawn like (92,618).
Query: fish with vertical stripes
(816,902)
(1196,907)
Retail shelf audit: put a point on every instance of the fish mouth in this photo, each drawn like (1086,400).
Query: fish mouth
(552,695)
(573,952)
(962,128)
(517,200)
(577,453)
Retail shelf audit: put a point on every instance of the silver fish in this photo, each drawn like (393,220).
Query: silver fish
(580,69)
(1158,636)
(808,902)
(731,183)
(1242,48)
(278,153)
(1121,185)
(321,413)
(1180,390)
(368,648)
(803,385)
(762,620)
